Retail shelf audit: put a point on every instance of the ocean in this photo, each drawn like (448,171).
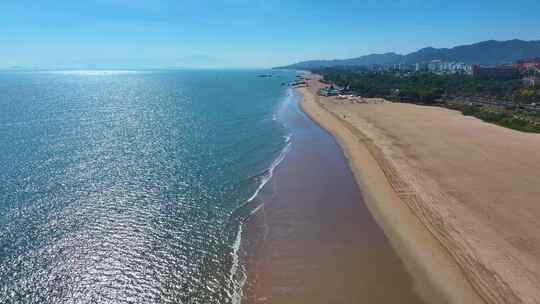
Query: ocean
(132,186)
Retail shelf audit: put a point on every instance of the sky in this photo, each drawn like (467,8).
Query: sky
(244,33)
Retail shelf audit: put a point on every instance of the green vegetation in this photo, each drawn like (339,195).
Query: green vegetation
(459,92)
(421,87)
(517,120)
(527,96)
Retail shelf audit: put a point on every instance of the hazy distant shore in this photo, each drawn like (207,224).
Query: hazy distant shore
(473,185)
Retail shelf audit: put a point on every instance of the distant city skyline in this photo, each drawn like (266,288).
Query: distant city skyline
(242,33)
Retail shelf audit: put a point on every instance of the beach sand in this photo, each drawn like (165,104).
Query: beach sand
(475,187)
(314,240)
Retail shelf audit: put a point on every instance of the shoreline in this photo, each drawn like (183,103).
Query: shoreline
(419,216)
(313,240)
(437,278)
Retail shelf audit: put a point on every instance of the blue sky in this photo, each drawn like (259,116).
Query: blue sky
(244,33)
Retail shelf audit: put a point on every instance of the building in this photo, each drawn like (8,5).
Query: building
(330,91)
(496,72)
(447,67)
(525,64)
(529,68)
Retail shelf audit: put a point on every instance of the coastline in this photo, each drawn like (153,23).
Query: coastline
(450,251)
(437,277)
(312,239)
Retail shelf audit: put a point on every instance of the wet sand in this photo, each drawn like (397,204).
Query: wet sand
(471,184)
(314,240)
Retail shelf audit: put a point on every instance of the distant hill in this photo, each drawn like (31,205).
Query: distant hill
(486,52)
(387,58)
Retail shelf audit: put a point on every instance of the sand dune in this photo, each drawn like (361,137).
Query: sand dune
(475,186)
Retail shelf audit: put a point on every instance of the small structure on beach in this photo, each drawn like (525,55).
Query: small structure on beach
(299,83)
(329,91)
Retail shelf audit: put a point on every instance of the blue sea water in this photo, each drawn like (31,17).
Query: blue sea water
(131,187)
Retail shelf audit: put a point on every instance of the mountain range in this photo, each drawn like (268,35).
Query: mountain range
(487,52)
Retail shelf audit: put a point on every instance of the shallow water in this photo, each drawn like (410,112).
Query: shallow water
(129,187)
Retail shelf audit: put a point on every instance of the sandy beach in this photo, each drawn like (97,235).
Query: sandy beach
(457,197)
(313,240)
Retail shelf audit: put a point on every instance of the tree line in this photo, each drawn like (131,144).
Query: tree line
(450,91)
(428,87)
